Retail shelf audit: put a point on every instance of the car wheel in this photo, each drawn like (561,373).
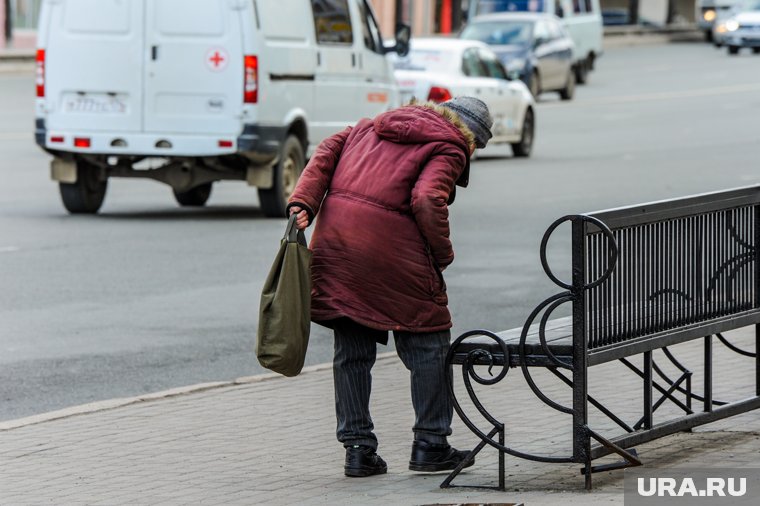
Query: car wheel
(274,200)
(568,91)
(196,197)
(87,194)
(756,50)
(581,72)
(523,148)
(733,49)
(535,84)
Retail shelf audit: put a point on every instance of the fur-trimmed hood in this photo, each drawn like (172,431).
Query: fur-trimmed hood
(419,123)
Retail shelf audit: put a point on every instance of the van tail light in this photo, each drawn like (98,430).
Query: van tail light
(251,82)
(438,94)
(82,142)
(40,79)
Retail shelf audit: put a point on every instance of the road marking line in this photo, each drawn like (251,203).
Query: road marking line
(669,95)
(8,249)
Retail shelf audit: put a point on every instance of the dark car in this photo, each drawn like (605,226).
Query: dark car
(534,47)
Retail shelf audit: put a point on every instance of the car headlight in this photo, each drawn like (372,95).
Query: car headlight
(732,25)
(709,15)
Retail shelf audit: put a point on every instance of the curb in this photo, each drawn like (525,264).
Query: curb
(107,405)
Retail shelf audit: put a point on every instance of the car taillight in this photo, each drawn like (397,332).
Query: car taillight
(438,94)
(251,83)
(40,80)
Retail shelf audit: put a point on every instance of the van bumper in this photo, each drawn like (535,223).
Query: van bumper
(254,139)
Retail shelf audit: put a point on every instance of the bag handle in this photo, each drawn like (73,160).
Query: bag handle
(293,233)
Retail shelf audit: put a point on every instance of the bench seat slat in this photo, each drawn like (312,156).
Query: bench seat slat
(559,338)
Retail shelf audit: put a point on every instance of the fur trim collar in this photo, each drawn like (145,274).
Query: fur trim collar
(451,116)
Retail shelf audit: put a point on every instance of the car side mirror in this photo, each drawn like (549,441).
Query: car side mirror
(403,35)
(538,42)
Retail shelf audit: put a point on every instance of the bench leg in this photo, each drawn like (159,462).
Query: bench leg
(708,375)
(502,472)
(757,360)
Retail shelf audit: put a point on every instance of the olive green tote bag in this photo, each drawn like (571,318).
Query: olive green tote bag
(285,308)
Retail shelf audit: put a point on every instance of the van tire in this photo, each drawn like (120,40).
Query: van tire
(581,71)
(523,148)
(87,194)
(733,49)
(568,92)
(195,197)
(274,200)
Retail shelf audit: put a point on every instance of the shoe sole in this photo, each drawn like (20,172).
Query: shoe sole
(363,473)
(434,468)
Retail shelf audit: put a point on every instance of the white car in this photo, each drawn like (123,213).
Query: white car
(438,69)
(743,29)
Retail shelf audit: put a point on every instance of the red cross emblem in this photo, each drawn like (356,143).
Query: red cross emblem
(216,59)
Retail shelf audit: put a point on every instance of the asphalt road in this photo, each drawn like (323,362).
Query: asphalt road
(146,296)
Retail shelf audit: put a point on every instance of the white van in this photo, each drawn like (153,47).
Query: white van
(189,92)
(582,19)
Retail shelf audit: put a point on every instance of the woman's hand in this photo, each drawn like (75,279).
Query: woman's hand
(302,220)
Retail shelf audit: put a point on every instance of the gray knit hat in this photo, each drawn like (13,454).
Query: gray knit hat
(474,113)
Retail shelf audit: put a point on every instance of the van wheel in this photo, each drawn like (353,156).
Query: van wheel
(581,72)
(733,49)
(523,148)
(568,92)
(274,200)
(196,197)
(87,194)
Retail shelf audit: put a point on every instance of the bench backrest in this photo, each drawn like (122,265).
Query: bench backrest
(683,269)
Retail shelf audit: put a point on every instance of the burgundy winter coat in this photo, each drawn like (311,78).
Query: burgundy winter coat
(381,191)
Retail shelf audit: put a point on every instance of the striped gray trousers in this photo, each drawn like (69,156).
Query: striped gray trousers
(424,355)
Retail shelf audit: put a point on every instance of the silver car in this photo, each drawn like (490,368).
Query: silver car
(743,28)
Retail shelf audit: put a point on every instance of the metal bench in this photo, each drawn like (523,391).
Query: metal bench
(644,278)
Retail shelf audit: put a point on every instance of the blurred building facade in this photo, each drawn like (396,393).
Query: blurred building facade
(18,18)
(18,23)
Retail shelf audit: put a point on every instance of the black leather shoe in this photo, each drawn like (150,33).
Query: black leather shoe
(429,458)
(363,461)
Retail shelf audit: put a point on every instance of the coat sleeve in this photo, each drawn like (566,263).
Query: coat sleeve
(430,197)
(315,179)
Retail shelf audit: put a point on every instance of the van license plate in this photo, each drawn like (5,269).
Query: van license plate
(95,105)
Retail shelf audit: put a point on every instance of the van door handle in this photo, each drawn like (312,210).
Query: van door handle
(154,53)
(353,59)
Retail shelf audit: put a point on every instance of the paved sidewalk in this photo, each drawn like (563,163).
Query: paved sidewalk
(270,440)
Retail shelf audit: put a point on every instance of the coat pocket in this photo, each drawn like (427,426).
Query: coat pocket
(437,283)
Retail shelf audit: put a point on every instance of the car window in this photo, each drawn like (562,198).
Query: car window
(332,21)
(496,33)
(370,31)
(489,6)
(472,65)
(493,66)
(422,60)
(589,6)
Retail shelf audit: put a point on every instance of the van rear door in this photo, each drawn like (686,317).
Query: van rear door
(92,60)
(194,73)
